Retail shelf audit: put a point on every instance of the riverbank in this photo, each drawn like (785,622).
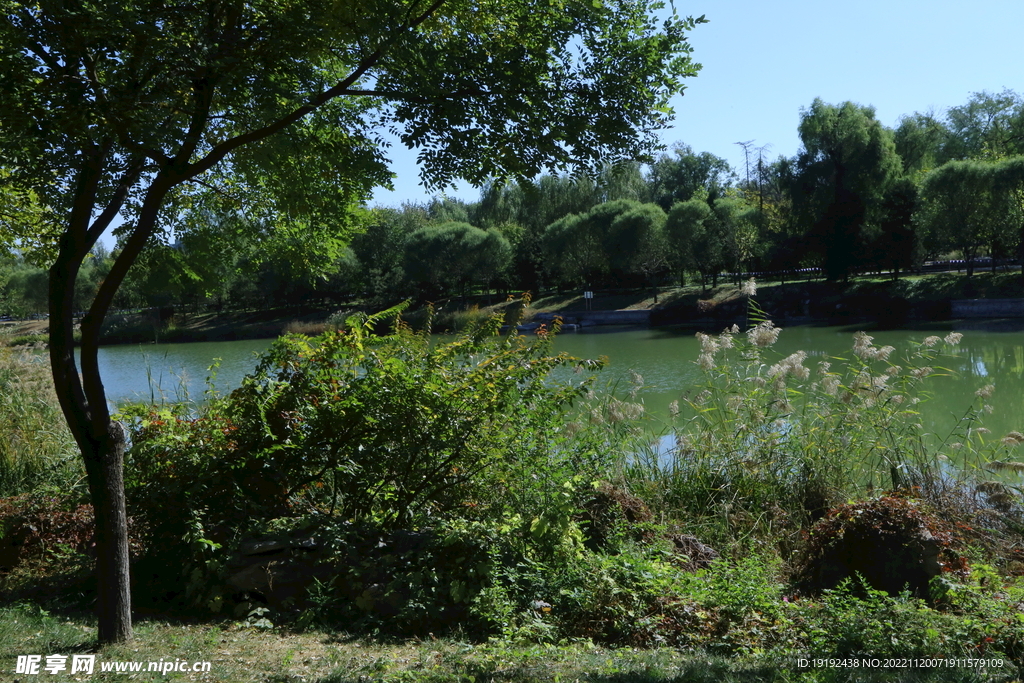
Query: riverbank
(144,328)
(880,302)
(573,563)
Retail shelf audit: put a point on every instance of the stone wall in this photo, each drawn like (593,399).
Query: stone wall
(987,308)
(588,318)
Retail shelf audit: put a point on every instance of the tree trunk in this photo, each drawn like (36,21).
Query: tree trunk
(105,470)
(102,443)
(82,397)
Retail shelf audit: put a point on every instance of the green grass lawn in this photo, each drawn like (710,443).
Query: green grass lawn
(238,652)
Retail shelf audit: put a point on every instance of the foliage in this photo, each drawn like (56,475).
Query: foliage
(406,582)
(132,111)
(919,139)
(449,256)
(636,240)
(396,430)
(573,250)
(889,540)
(853,621)
(762,447)
(44,529)
(677,179)
(990,215)
(694,241)
(847,162)
(989,125)
(36,450)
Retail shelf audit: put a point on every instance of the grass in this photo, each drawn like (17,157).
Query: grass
(761,452)
(310,329)
(36,448)
(239,652)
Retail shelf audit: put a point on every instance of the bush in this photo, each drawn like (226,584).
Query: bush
(407,582)
(395,431)
(894,543)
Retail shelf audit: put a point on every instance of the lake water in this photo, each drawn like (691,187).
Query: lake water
(663,356)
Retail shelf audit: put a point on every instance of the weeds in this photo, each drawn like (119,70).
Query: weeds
(455,486)
(36,449)
(307,328)
(767,445)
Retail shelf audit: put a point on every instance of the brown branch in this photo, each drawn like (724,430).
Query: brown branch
(203,89)
(63,274)
(223,149)
(115,204)
(214,188)
(90,326)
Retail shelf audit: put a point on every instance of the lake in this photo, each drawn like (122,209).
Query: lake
(663,356)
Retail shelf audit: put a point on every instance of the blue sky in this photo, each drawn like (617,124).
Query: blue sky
(763,61)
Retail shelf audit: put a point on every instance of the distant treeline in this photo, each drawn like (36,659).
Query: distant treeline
(857,197)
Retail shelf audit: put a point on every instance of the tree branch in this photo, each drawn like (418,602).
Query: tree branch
(90,326)
(63,274)
(116,203)
(223,149)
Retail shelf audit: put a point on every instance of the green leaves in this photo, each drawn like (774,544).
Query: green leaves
(396,427)
(848,162)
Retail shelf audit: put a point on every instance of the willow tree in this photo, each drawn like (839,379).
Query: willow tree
(847,162)
(272,111)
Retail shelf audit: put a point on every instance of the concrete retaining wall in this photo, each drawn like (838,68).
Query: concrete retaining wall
(987,308)
(588,318)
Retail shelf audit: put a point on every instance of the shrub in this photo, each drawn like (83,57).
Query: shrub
(392,430)
(894,543)
(407,582)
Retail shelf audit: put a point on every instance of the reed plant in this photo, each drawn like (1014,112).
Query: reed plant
(310,329)
(767,444)
(31,340)
(36,448)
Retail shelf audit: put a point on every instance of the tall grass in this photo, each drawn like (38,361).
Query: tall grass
(310,329)
(767,445)
(36,448)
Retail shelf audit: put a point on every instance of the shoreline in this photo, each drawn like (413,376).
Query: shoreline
(985,301)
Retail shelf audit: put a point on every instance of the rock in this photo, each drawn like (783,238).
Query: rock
(691,553)
(274,569)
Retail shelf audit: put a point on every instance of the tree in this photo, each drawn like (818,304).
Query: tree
(694,241)
(737,226)
(449,256)
(919,140)
(989,125)
(676,179)
(1009,185)
(896,242)
(639,238)
(381,253)
(573,250)
(621,181)
(847,162)
(146,111)
(958,208)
